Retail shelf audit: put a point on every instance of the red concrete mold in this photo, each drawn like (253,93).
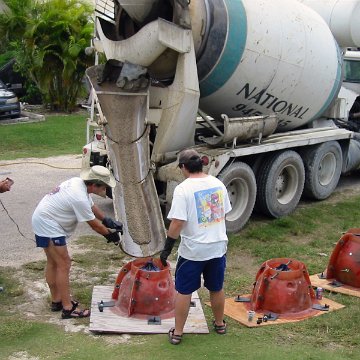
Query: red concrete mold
(283,286)
(344,263)
(139,292)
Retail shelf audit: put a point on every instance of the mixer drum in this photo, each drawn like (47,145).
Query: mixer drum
(258,56)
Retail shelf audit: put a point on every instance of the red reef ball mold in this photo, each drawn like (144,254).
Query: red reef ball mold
(344,263)
(283,287)
(144,287)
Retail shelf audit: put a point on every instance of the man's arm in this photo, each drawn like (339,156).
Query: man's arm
(107,221)
(97,226)
(99,214)
(175,228)
(101,229)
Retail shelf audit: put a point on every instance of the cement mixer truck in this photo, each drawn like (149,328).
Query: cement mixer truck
(256,86)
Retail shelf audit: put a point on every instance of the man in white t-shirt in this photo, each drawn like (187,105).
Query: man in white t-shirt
(197,214)
(55,219)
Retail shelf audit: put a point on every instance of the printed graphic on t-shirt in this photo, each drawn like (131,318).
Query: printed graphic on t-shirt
(209,206)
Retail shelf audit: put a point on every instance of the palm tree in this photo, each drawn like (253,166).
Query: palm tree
(49,46)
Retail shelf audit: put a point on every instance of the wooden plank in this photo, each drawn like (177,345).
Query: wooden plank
(238,311)
(326,284)
(110,322)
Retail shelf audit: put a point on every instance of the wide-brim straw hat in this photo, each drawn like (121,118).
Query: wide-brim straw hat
(99,173)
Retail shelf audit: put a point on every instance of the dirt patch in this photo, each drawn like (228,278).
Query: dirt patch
(36,306)
(111,339)
(22,355)
(35,303)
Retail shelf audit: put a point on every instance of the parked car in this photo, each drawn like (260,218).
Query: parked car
(9,103)
(13,80)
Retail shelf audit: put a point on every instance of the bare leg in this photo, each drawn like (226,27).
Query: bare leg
(60,255)
(182,306)
(50,276)
(217,300)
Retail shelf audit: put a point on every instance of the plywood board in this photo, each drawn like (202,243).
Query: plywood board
(238,311)
(326,284)
(110,322)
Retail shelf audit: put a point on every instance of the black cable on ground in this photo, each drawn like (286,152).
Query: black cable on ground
(40,163)
(18,228)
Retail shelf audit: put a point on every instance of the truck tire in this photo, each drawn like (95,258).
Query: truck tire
(280,183)
(323,164)
(240,183)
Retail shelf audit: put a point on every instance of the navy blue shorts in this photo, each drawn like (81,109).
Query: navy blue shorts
(43,241)
(188,274)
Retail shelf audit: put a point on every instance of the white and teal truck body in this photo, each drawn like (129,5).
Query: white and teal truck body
(256,86)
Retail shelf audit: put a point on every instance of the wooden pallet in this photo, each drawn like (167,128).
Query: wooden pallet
(110,322)
(326,284)
(238,311)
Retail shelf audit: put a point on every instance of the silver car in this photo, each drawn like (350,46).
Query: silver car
(9,103)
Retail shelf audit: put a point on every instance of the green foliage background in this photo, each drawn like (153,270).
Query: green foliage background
(48,40)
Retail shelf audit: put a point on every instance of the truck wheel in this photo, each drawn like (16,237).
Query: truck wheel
(280,183)
(323,164)
(240,183)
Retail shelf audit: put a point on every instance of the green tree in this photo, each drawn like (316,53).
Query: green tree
(49,39)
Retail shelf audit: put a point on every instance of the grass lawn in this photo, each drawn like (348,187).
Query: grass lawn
(30,331)
(57,135)
(311,230)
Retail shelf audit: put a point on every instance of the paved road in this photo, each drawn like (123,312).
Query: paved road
(32,181)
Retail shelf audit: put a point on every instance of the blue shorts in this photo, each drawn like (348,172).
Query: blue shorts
(43,241)
(188,274)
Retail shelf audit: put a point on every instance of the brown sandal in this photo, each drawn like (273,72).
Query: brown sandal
(174,339)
